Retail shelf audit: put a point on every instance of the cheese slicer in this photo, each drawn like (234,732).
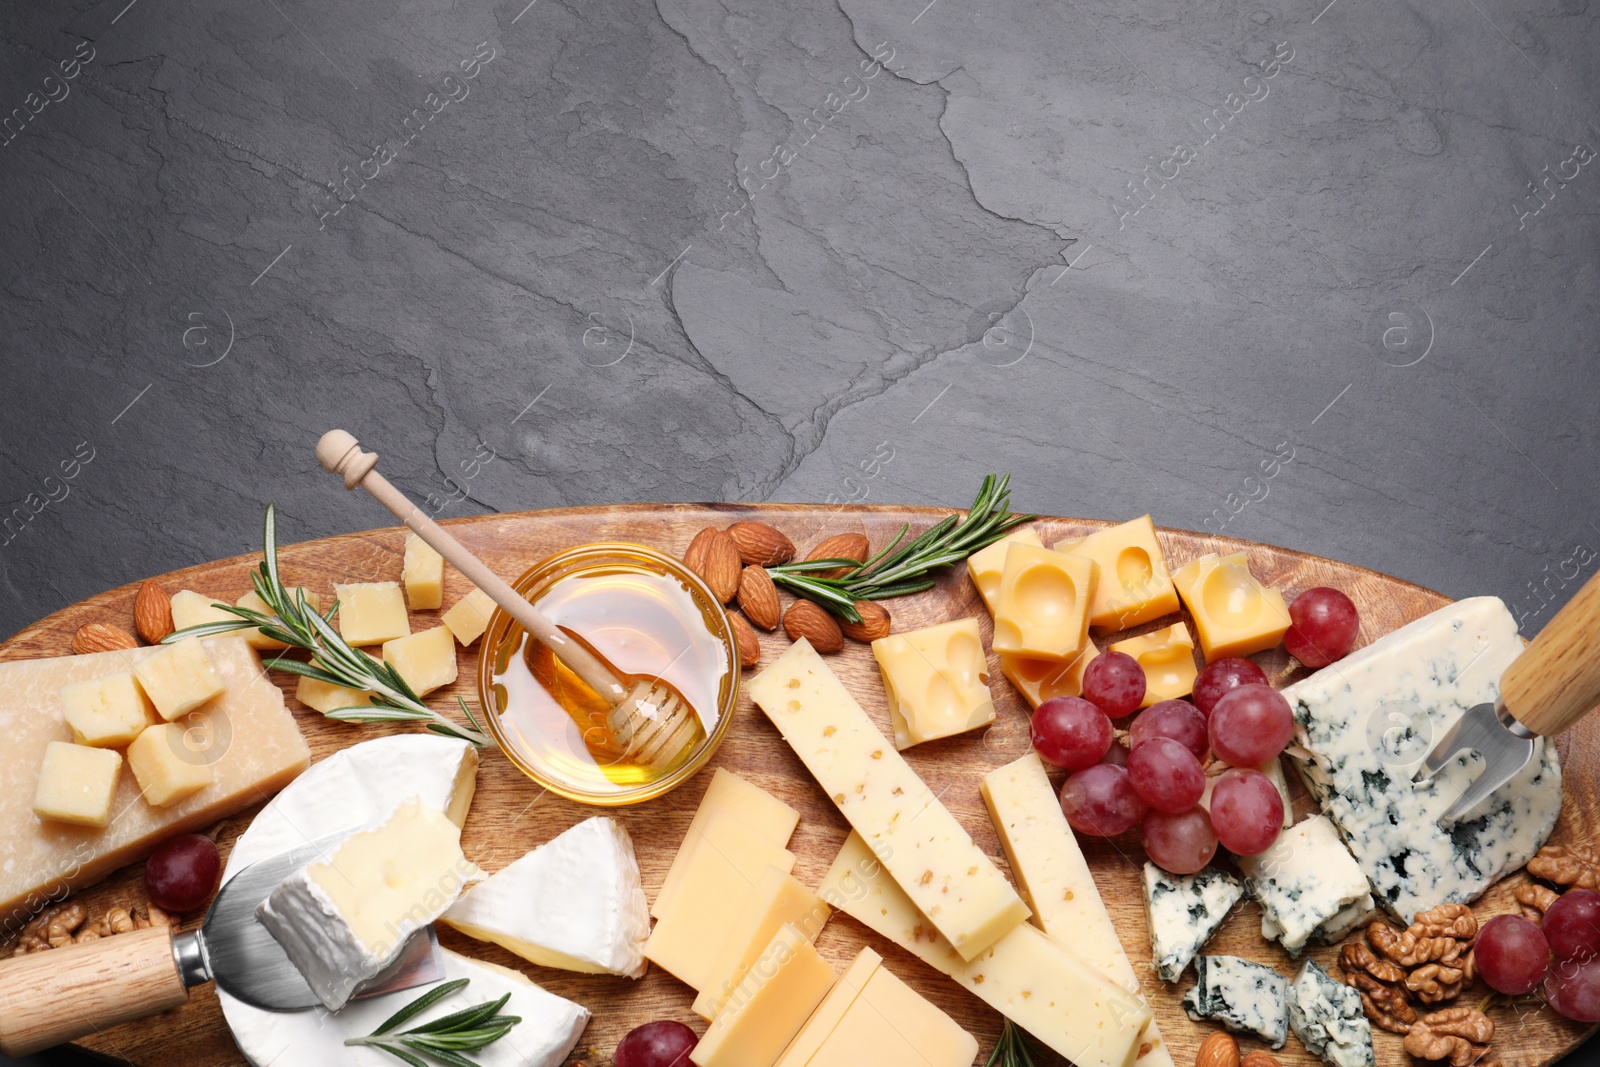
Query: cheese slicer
(648,717)
(47,998)
(1552,684)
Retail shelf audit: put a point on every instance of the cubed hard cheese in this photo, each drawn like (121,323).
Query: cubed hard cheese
(426,660)
(469,617)
(252,600)
(326,696)
(77,784)
(764,815)
(423,574)
(1039,680)
(106,712)
(179,678)
(923,847)
(190,608)
(777,900)
(936,680)
(1233,613)
(1044,600)
(1134,586)
(783,987)
(1025,975)
(987,564)
(166,767)
(1167,657)
(371,613)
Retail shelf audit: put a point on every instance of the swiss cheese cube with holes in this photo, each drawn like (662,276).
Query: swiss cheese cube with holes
(371,613)
(1134,585)
(469,617)
(1167,657)
(426,660)
(1039,680)
(937,681)
(1044,603)
(106,712)
(423,574)
(1234,614)
(179,678)
(77,784)
(165,767)
(987,564)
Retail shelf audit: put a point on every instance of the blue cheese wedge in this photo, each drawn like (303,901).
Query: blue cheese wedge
(1241,995)
(1326,1016)
(1184,911)
(1363,725)
(1308,885)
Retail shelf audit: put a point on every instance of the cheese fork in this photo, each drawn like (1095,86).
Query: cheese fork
(1552,684)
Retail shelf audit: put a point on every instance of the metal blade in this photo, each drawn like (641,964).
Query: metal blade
(1506,748)
(246,961)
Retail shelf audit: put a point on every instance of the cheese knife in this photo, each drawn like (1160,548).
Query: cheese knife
(1552,684)
(47,998)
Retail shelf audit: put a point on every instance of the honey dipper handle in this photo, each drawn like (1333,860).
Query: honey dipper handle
(341,454)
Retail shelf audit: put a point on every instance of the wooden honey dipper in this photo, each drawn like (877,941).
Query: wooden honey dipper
(648,717)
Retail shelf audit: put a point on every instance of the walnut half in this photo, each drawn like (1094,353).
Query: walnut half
(1460,1035)
(1535,900)
(1385,1005)
(1566,867)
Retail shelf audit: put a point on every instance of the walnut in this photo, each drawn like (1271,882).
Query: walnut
(1385,1005)
(1566,866)
(1415,945)
(51,928)
(1434,982)
(1535,900)
(1355,956)
(93,930)
(1445,920)
(1461,1035)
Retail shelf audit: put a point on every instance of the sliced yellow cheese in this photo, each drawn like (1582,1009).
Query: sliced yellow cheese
(1039,680)
(1134,586)
(426,659)
(166,767)
(891,1023)
(1025,976)
(423,574)
(777,900)
(469,616)
(179,678)
(1167,657)
(1055,879)
(922,845)
(1043,610)
(937,681)
(1234,614)
(762,813)
(76,784)
(832,1010)
(987,564)
(106,712)
(371,613)
(764,1014)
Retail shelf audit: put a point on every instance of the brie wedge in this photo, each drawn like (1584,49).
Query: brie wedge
(576,903)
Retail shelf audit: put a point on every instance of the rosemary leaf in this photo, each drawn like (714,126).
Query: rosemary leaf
(421,1004)
(446,1039)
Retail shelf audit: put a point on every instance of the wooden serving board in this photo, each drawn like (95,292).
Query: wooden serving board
(512,815)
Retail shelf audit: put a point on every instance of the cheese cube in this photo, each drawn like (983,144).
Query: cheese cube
(253,601)
(469,617)
(194,609)
(371,613)
(166,767)
(987,564)
(179,678)
(1039,680)
(106,712)
(1134,585)
(786,983)
(764,815)
(426,660)
(423,574)
(77,784)
(1167,657)
(325,696)
(923,846)
(936,680)
(1234,614)
(891,1023)
(778,900)
(1044,603)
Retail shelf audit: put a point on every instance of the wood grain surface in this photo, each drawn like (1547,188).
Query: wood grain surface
(511,815)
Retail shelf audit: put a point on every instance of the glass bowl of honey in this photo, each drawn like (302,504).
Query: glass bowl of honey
(646,615)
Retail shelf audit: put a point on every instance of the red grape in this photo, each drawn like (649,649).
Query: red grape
(1322,626)
(1100,801)
(1247,811)
(1071,732)
(1177,719)
(1250,725)
(663,1043)
(1182,844)
(1166,775)
(1114,682)
(1572,924)
(1222,677)
(1573,989)
(181,874)
(1116,755)
(1512,954)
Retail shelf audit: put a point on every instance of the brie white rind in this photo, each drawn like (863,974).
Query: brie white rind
(1183,912)
(344,919)
(1308,885)
(575,902)
(1368,720)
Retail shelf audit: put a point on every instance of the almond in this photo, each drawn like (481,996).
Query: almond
(1259,1058)
(152,612)
(840,546)
(722,566)
(761,544)
(805,619)
(749,643)
(101,637)
(1218,1050)
(873,625)
(758,598)
(694,557)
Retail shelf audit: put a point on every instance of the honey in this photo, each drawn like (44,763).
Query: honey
(646,617)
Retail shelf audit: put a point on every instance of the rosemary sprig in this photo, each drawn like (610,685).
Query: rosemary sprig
(1012,1050)
(899,571)
(445,1039)
(298,625)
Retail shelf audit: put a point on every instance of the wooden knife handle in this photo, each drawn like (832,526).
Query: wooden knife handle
(1556,680)
(47,998)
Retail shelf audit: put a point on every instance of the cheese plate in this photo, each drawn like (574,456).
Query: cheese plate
(511,815)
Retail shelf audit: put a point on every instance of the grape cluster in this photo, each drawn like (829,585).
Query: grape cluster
(1515,955)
